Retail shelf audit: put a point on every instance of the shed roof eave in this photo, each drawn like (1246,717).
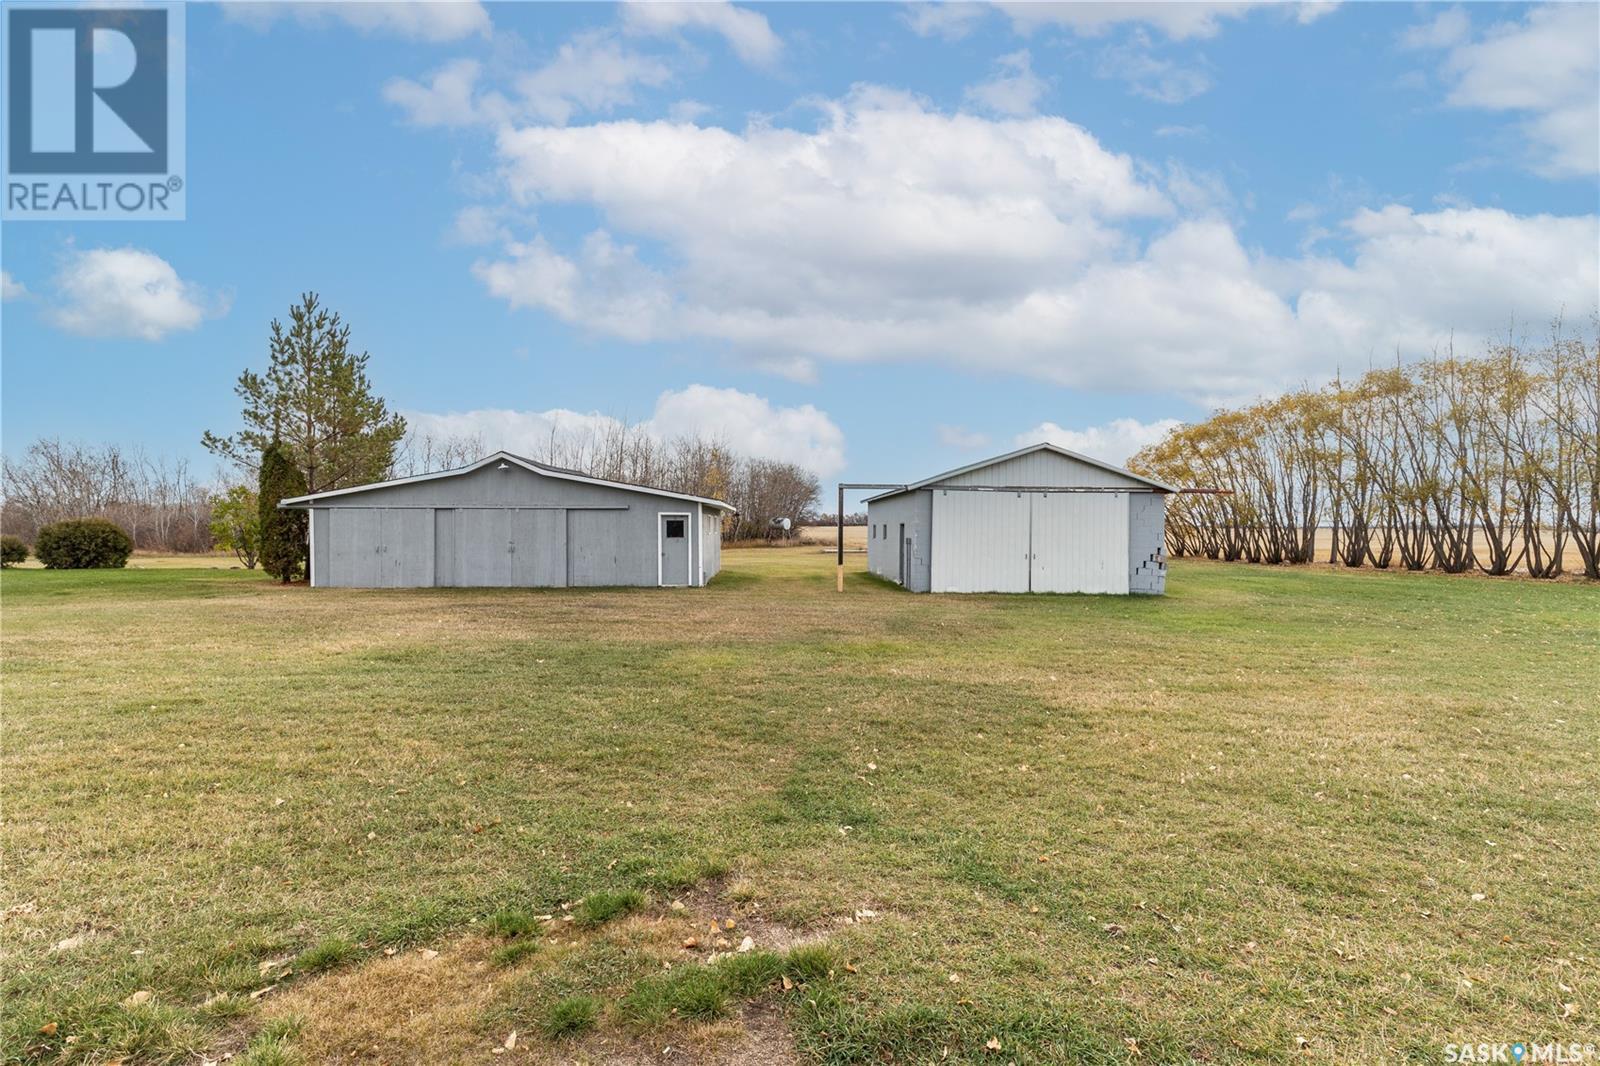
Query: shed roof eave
(1159,486)
(300,503)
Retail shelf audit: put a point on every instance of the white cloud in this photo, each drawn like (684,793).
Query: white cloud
(450,97)
(484,224)
(1545,67)
(689,111)
(747,32)
(1176,20)
(1448,28)
(1014,90)
(592,72)
(10,287)
(893,232)
(952,20)
(433,21)
(1181,131)
(1113,442)
(1149,75)
(127,292)
(960,437)
(751,425)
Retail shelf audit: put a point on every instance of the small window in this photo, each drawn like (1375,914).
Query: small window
(675,528)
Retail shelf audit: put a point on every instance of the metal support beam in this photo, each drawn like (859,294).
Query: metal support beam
(839,518)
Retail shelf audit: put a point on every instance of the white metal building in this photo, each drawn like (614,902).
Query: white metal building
(1040,519)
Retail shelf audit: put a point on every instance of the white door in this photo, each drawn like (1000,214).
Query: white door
(674,549)
(1080,542)
(980,541)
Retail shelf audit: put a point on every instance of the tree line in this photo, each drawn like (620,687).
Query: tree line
(159,503)
(1487,463)
(763,490)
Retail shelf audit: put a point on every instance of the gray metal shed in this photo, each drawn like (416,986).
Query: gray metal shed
(510,521)
(1039,519)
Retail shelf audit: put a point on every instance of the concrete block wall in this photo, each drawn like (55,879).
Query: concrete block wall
(1147,543)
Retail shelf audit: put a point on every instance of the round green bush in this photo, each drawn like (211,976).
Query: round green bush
(83,544)
(12,551)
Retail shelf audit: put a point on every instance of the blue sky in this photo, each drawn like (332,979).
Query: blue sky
(879,240)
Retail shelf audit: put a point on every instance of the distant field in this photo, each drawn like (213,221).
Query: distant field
(855,537)
(1276,815)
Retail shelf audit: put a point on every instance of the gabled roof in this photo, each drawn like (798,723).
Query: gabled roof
(1159,486)
(503,456)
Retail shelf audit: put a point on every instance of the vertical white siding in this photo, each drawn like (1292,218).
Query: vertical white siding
(1080,542)
(980,541)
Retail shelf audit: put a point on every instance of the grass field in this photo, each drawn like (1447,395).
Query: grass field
(1275,814)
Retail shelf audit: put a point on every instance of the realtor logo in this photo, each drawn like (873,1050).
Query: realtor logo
(94,113)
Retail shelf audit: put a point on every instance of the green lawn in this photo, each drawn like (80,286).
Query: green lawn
(1276,813)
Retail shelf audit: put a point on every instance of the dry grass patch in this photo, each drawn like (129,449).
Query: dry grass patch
(697,974)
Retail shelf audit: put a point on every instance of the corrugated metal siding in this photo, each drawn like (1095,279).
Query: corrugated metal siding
(1044,468)
(1080,542)
(1147,543)
(982,541)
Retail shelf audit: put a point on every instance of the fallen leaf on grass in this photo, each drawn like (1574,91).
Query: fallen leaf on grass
(511,1041)
(850,968)
(48,1029)
(993,1044)
(747,944)
(787,984)
(69,943)
(142,996)
(427,954)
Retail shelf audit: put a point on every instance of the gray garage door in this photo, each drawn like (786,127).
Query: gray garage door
(380,547)
(509,547)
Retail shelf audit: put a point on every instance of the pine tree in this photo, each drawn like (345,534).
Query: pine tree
(316,399)
(283,533)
